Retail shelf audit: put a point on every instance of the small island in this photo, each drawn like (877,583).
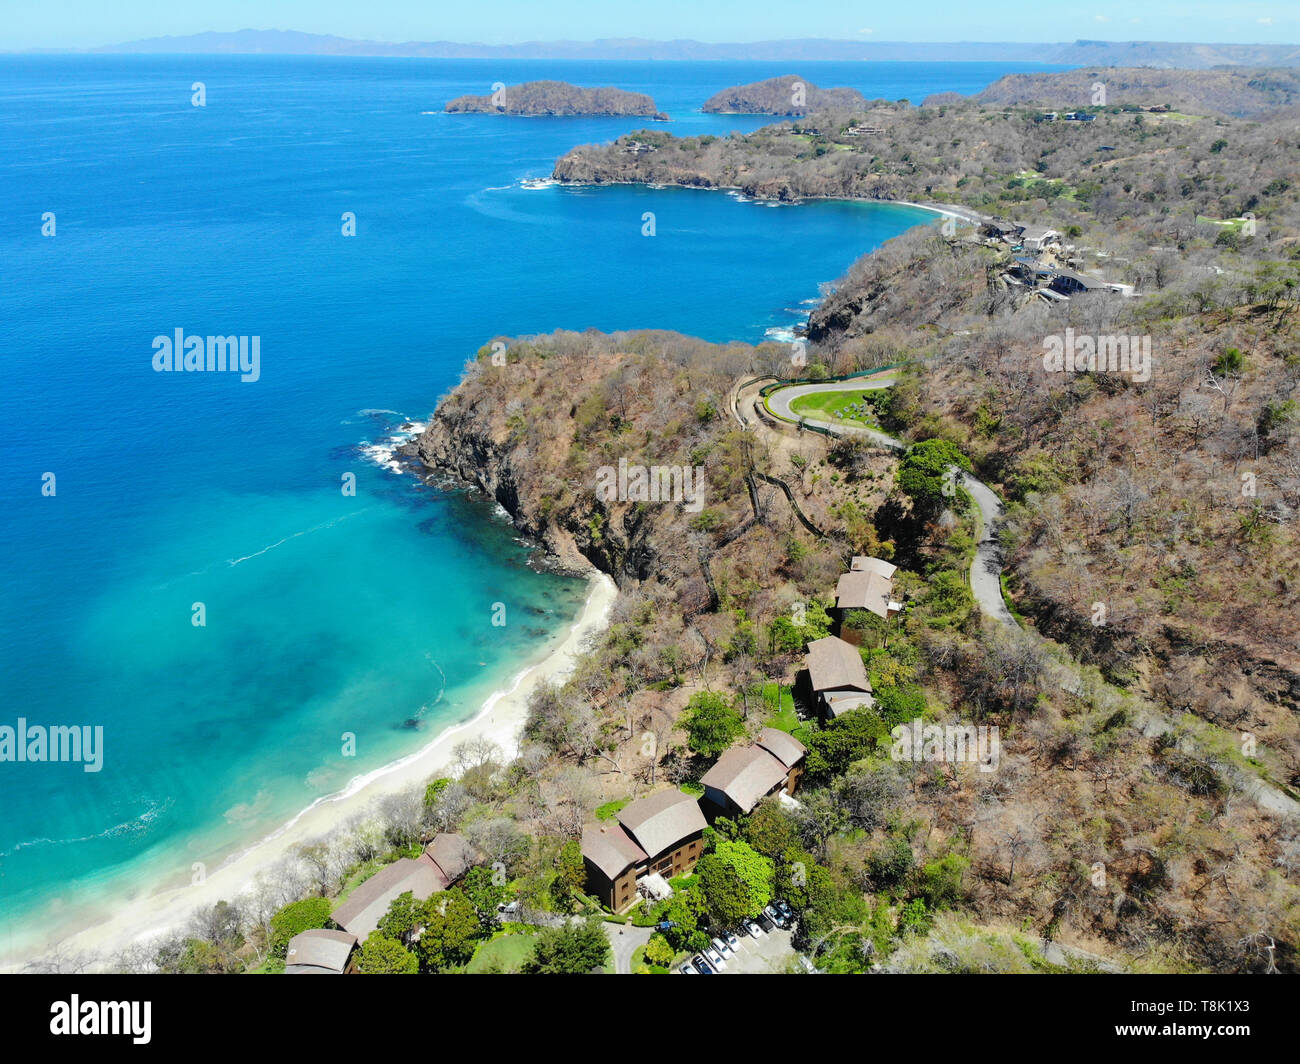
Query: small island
(558,98)
(786,95)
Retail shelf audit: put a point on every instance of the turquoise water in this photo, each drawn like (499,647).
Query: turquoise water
(326,613)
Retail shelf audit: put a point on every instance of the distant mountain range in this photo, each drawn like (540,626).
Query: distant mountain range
(1078,53)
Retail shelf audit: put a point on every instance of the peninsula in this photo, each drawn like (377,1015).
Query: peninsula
(789,95)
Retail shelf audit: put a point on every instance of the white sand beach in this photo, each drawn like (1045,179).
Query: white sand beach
(500,720)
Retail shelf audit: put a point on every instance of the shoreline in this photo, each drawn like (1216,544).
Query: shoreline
(500,719)
(949,210)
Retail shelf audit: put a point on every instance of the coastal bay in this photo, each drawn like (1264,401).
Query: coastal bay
(326,613)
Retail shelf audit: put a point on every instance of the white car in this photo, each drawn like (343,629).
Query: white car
(721,946)
(714,958)
(755,931)
(732,940)
(686,969)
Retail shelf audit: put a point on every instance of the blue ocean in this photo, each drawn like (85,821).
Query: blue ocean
(184,497)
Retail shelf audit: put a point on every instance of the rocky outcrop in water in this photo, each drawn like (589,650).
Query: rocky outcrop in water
(557,98)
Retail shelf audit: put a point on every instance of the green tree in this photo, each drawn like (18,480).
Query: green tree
(914,917)
(570,874)
(381,955)
(1231,361)
(683,911)
(770,829)
(889,865)
(737,882)
(571,949)
(787,637)
(659,952)
(432,791)
(296,917)
(451,932)
(712,723)
(844,740)
(403,918)
(940,882)
(802,882)
(926,475)
(484,893)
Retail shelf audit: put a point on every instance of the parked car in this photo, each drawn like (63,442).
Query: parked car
(702,966)
(754,928)
(714,958)
(721,946)
(774,916)
(783,907)
(765,923)
(733,940)
(686,969)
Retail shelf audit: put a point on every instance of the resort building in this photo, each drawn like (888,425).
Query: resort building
(1068,283)
(837,677)
(1036,238)
(657,836)
(319,952)
(1007,232)
(444,861)
(868,585)
(744,775)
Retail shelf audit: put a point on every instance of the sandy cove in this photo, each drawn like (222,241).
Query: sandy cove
(500,720)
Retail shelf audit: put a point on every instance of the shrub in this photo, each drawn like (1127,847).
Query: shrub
(296,917)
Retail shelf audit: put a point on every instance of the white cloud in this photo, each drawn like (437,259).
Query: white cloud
(1265,21)
(866,31)
(1100,18)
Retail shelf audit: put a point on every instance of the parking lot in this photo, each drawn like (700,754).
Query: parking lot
(768,955)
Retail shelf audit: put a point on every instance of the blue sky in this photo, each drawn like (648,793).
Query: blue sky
(86,23)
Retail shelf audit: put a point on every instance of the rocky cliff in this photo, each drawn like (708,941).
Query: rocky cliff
(536,432)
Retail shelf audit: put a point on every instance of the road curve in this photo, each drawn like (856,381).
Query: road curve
(779,403)
(986,567)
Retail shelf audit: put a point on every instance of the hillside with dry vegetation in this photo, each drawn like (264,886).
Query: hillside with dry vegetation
(1194,871)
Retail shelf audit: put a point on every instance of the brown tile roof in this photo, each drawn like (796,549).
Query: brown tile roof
(367,905)
(318,951)
(662,820)
(873,565)
(610,849)
(782,745)
(840,702)
(453,854)
(833,663)
(745,774)
(861,590)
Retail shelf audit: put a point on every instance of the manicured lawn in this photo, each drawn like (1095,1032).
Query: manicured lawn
(610,810)
(823,406)
(785,718)
(782,717)
(508,952)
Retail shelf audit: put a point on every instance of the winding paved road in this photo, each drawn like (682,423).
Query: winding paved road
(986,568)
